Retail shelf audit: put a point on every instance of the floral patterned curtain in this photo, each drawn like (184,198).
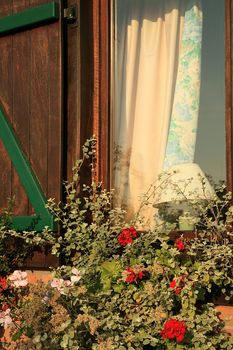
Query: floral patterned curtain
(184,119)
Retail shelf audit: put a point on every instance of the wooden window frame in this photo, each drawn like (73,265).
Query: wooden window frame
(95,81)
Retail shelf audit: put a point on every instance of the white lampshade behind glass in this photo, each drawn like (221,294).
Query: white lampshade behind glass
(178,187)
(184,182)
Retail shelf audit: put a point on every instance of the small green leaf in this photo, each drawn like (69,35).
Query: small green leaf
(17,335)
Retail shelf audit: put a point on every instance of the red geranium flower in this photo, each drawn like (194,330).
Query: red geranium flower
(141,275)
(178,284)
(127,235)
(180,245)
(131,276)
(174,329)
(124,238)
(173,284)
(178,290)
(3,284)
(133,232)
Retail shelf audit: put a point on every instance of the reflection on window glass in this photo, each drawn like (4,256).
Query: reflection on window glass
(210,147)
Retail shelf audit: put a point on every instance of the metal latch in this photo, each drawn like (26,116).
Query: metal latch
(70,14)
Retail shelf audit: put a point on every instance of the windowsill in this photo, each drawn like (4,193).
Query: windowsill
(187,235)
(40,260)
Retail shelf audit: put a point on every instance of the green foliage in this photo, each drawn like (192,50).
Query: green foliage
(128,291)
(13,250)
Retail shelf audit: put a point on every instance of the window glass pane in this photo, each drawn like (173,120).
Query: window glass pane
(166,53)
(210,147)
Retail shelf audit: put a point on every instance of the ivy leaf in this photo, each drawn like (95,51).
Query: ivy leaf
(118,287)
(17,335)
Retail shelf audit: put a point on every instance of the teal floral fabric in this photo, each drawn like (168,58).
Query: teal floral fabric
(184,118)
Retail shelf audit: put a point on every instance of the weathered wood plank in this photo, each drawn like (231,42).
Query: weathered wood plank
(55,116)
(6,101)
(73,94)
(39,101)
(21,104)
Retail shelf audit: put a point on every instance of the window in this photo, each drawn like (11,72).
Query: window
(168,91)
(101,45)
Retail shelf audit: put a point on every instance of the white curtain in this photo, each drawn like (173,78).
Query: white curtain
(148,38)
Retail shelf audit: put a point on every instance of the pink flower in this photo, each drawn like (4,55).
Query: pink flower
(60,284)
(76,275)
(66,283)
(56,283)
(18,278)
(5,318)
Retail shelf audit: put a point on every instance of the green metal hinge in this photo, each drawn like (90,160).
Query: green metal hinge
(28,180)
(29,18)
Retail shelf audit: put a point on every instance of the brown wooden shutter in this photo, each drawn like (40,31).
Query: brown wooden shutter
(31,99)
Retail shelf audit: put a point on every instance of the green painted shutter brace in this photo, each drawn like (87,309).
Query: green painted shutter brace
(28,180)
(29,18)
